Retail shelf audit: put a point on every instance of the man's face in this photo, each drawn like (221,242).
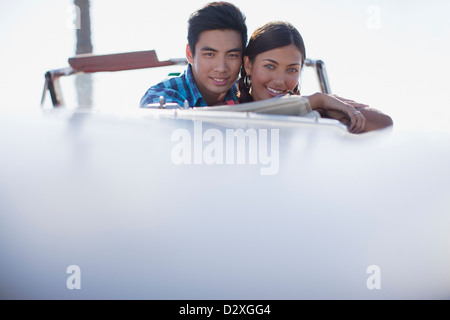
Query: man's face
(216,63)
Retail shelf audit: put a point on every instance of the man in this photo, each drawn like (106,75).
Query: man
(217,35)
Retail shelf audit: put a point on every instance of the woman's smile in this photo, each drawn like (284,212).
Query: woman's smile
(275,92)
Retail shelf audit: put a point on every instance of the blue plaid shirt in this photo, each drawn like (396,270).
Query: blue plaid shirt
(181,88)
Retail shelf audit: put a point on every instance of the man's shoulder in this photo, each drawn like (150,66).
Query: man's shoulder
(174,83)
(172,89)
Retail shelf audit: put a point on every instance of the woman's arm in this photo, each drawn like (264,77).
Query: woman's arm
(339,110)
(375,119)
(346,111)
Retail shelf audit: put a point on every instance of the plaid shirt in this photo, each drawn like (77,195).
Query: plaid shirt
(181,88)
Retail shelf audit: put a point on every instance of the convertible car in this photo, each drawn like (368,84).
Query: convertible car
(260,202)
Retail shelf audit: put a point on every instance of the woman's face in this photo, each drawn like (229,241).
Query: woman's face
(274,72)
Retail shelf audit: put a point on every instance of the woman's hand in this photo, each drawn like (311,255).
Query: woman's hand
(375,119)
(350,102)
(339,109)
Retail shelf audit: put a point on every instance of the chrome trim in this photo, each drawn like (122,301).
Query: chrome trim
(53,86)
(237,116)
(321,73)
(179,61)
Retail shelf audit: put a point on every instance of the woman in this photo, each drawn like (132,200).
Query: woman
(273,60)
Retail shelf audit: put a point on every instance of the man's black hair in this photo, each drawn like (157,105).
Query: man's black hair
(216,16)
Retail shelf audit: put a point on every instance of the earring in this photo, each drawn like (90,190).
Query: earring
(248,82)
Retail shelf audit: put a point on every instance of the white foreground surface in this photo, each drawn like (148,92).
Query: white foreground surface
(102,192)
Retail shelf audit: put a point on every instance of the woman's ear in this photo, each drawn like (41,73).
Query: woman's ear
(189,55)
(247,65)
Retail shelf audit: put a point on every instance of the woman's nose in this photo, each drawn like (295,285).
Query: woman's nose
(278,79)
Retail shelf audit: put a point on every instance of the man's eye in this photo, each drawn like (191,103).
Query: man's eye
(209,54)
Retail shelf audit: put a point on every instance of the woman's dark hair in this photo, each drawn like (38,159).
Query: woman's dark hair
(270,36)
(216,16)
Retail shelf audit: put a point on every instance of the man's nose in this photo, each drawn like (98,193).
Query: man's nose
(221,65)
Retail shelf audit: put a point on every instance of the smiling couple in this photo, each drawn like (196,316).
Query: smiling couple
(268,66)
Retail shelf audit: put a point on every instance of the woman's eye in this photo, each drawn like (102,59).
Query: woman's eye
(293,70)
(269,66)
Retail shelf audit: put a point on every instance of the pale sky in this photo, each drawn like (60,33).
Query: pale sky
(392,55)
